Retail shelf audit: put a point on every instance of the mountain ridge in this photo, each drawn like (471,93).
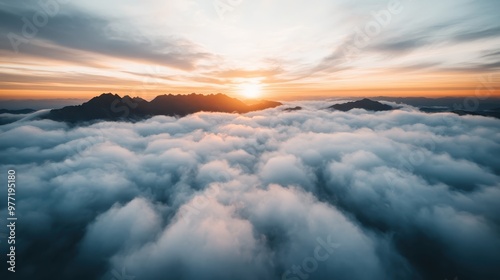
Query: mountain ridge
(112,107)
(365,103)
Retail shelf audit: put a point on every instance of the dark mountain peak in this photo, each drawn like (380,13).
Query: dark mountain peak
(129,99)
(103,99)
(291,109)
(105,96)
(364,103)
(110,106)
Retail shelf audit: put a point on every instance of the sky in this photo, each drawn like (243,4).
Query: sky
(259,48)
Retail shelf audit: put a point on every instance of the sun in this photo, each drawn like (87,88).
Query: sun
(250,90)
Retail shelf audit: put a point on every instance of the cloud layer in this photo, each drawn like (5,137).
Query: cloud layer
(308,194)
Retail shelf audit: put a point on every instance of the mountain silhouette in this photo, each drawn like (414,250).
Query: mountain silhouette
(291,109)
(112,107)
(366,104)
(491,113)
(16,112)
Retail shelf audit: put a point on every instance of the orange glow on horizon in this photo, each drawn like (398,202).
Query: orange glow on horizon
(388,83)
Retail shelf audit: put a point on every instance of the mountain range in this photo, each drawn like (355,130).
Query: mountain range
(112,107)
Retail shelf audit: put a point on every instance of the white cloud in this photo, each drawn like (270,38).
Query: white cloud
(405,195)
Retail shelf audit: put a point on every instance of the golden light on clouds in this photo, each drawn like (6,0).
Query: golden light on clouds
(253,49)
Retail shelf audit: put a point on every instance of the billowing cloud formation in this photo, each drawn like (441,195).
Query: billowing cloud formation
(56,48)
(309,194)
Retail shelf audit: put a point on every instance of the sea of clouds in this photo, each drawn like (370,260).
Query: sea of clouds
(309,194)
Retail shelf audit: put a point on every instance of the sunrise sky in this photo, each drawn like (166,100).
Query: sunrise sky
(248,48)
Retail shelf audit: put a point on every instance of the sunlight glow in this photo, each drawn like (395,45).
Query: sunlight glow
(250,90)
